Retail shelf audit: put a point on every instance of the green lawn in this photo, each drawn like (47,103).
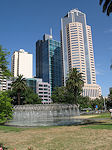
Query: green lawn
(103,115)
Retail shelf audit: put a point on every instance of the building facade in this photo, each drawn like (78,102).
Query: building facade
(43,89)
(22,64)
(3,82)
(77,50)
(48,61)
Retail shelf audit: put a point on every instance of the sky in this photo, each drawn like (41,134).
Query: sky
(23,22)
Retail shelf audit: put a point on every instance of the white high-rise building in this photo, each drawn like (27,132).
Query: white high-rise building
(22,64)
(77,51)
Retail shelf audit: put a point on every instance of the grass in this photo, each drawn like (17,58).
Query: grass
(81,137)
(103,115)
(11,129)
(100,126)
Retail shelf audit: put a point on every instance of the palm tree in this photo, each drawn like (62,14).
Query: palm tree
(20,85)
(107,6)
(74,83)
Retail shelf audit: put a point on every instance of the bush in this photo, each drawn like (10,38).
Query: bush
(5,107)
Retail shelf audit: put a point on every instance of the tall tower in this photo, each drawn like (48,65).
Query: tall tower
(48,61)
(22,64)
(77,49)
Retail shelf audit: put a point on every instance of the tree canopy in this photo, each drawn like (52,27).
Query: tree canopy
(5,107)
(19,85)
(72,90)
(74,83)
(4,63)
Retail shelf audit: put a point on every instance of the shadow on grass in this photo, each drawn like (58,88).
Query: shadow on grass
(97,125)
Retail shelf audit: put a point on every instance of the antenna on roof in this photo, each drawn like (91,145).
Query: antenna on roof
(51,32)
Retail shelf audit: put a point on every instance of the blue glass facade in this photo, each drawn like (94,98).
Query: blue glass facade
(51,62)
(31,83)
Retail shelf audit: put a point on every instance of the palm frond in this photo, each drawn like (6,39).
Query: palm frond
(109,10)
(100,2)
(106,4)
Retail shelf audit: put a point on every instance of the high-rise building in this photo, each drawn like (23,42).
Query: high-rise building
(48,61)
(3,82)
(22,64)
(77,50)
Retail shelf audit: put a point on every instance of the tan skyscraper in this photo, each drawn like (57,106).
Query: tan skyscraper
(77,50)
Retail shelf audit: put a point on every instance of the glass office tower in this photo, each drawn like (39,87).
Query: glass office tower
(77,50)
(48,61)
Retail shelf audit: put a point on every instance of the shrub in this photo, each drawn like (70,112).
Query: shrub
(5,107)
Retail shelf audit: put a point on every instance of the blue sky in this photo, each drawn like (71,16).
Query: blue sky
(24,22)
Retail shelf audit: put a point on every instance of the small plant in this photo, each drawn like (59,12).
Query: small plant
(30,148)
(3,147)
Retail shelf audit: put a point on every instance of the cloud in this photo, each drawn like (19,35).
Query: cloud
(99,72)
(108,31)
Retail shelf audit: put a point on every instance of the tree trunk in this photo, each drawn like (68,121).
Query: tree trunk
(18,97)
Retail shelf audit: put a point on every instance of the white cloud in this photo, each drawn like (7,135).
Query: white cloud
(108,31)
(99,72)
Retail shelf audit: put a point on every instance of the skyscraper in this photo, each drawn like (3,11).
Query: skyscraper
(48,61)
(77,50)
(22,64)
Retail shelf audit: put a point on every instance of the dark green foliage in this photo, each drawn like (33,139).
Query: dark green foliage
(107,6)
(99,102)
(72,91)
(27,96)
(5,107)
(61,95)
(74,84)
(19,85)
(3,62)
(30,97)
(84,102)
(58,95)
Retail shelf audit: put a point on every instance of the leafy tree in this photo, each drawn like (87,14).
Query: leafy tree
(3,62)
(107,6)
(19,85)
(30,97)
(5,107)
(58,95)
(110,94)
(27,96)
(61,95)
(84,102)
(99,102)
(74,84)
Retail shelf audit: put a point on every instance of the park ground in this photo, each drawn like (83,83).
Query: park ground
(95,134)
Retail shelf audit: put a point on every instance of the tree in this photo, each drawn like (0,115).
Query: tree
(58,95)
(4,62)
(5,107)
(74,84)
(29,97)
(84,102)
(62,95)
(99,102)
(19,85)
(4,72)
(107,6)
